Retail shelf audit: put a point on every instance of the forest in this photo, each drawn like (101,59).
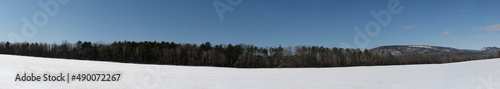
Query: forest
(221,55)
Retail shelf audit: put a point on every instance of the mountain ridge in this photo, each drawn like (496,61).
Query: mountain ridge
(399,49)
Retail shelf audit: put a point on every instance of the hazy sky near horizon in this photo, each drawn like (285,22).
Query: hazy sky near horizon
(464,24)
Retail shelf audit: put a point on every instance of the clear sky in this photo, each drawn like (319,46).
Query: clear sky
(464,24)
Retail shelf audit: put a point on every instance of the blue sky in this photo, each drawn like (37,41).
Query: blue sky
(464,24)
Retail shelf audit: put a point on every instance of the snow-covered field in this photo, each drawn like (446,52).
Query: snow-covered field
(482,74)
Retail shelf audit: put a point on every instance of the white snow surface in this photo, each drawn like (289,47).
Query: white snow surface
(480,74)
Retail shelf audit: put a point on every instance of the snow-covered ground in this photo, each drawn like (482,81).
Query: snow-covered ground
(482,74)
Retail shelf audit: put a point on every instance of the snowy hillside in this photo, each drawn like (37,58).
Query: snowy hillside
(482,74)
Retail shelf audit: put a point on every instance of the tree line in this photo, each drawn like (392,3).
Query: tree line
(239,56)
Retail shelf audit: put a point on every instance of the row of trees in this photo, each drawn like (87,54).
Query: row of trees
(241,56)
(497,55)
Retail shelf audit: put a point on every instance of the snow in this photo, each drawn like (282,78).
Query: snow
(421,46)
(481,74)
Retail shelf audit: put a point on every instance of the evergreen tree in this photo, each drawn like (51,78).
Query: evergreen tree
(498,54)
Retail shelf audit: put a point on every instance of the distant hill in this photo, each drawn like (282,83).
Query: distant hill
(399,49)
